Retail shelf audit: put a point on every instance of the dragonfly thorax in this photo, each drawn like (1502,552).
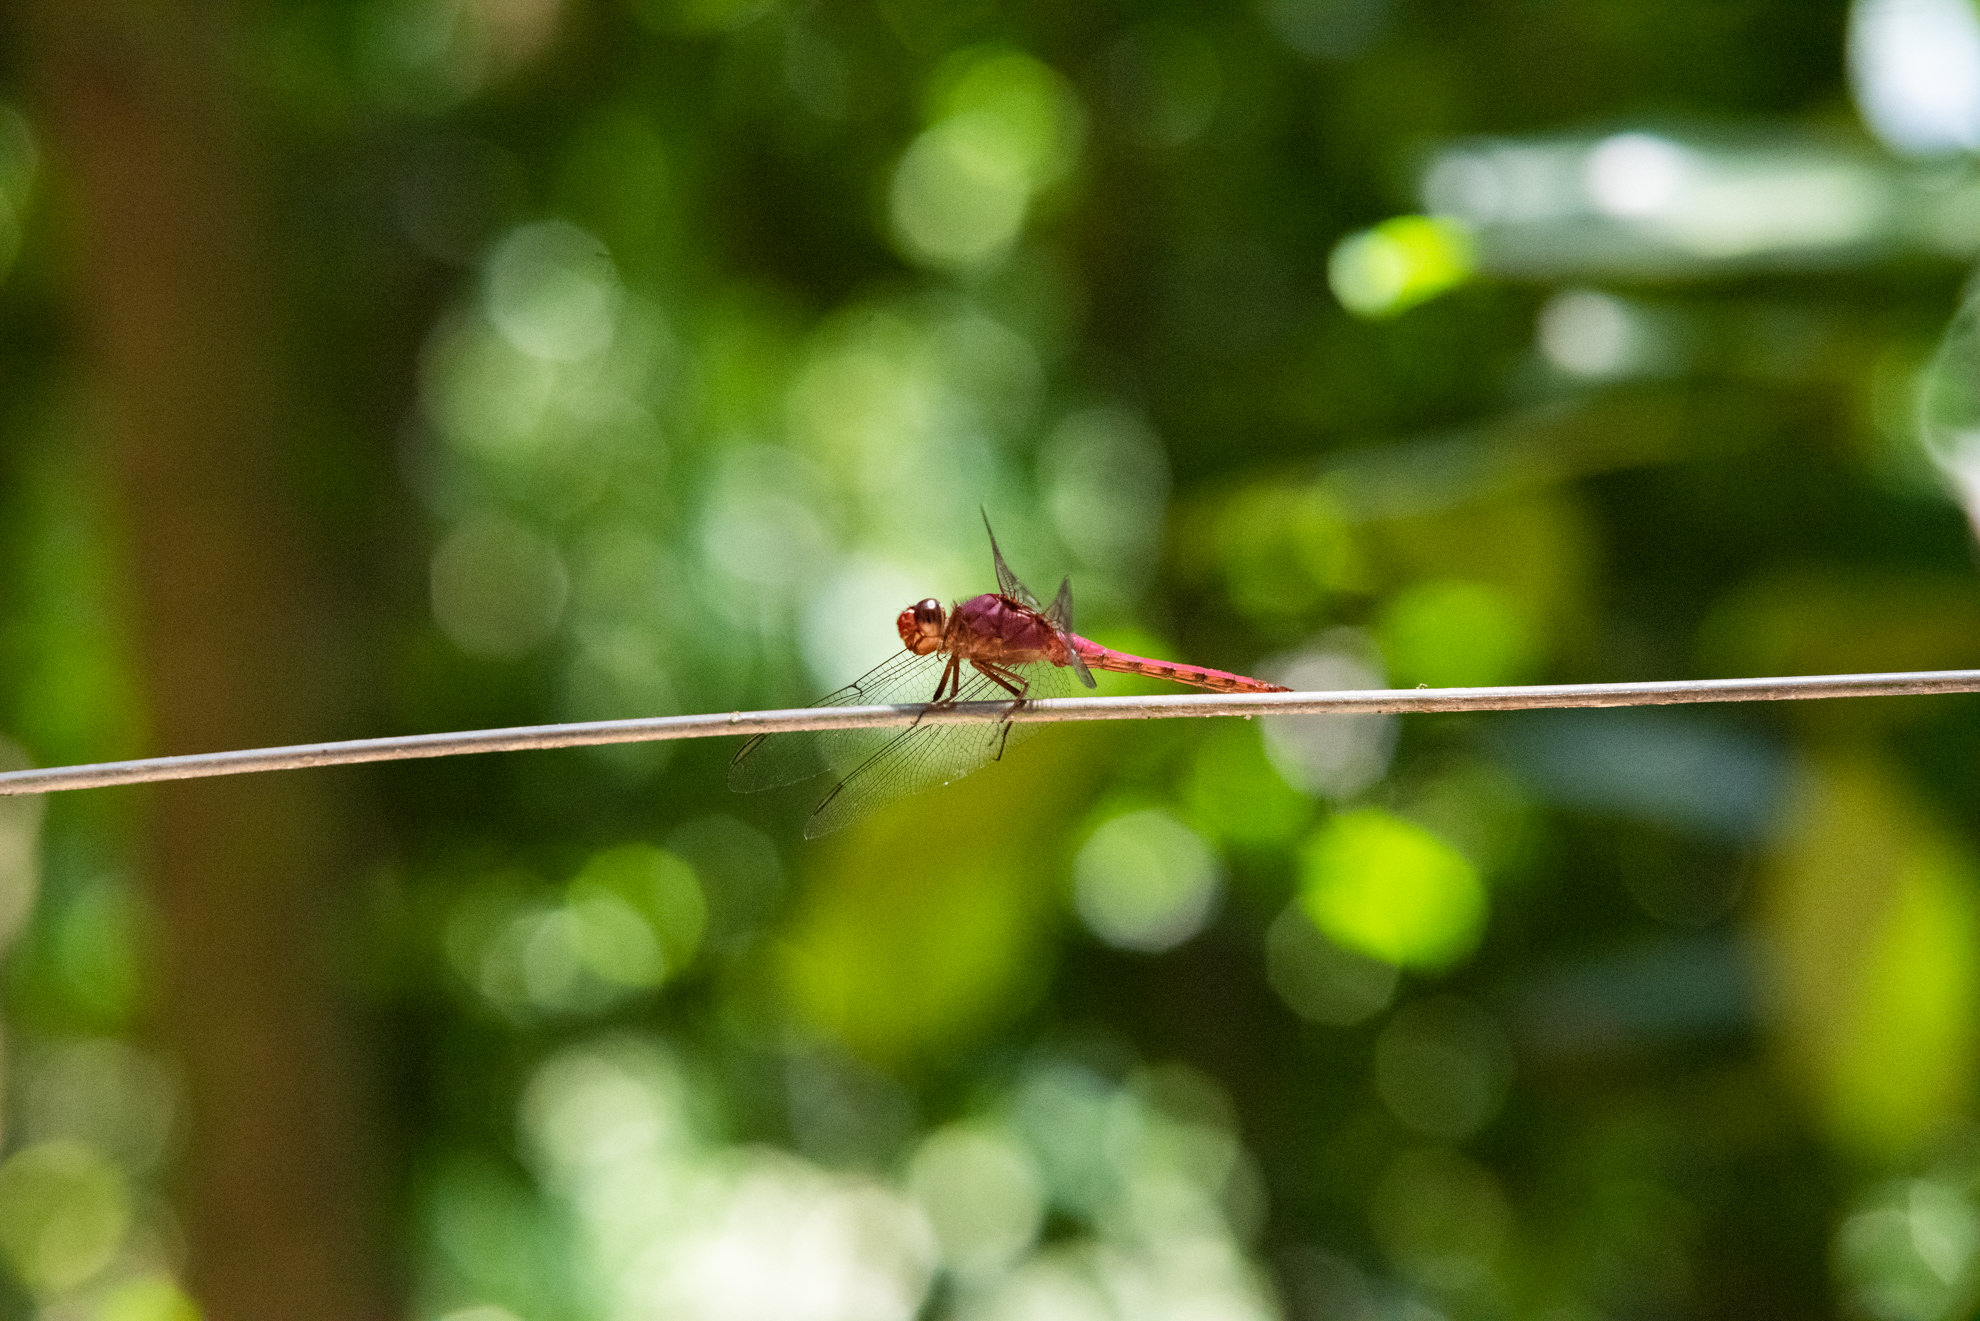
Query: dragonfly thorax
(922,626)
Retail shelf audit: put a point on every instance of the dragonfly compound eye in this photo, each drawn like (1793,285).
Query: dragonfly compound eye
(921,627)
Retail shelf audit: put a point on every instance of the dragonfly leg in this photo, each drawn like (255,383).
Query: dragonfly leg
(951,682)
(1015,685)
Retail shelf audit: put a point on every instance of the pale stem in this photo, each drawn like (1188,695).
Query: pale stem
(1384,701)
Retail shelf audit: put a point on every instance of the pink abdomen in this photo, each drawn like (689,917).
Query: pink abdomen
(1098,657)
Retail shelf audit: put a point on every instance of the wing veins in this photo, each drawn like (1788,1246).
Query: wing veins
(922,756)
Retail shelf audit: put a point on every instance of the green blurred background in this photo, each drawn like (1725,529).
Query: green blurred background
(384,366)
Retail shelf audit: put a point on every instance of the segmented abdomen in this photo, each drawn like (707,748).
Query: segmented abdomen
(1102,658)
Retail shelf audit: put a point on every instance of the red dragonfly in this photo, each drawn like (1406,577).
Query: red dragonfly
(996,647)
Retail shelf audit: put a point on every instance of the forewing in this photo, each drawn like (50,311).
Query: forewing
(769,760)
(926,755)
(1007,582)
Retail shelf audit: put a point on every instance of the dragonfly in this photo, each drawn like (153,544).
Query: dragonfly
(1001,646)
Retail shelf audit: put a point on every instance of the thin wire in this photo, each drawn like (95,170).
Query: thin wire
(658,728)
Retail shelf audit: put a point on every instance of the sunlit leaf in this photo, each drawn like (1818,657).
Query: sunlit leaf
(1384,886)
(1871,928)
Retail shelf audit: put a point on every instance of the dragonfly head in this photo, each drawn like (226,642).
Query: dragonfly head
(922,625)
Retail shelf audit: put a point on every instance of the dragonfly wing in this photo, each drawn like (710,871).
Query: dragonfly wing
(1040,680)
(1061,612)
(1078,667)
(770,760)
(1060,617)
(1007,582)
(926,755)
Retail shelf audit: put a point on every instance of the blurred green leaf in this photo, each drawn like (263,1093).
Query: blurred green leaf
(1386,887)
(1872,932)
(1454,634)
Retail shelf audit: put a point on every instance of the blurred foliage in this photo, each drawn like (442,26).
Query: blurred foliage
(657,352)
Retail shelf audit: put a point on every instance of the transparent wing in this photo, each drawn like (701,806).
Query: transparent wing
(1060,613)
(1078,667)
(1060,617)
(1007,582)
(923,756)
(769,760)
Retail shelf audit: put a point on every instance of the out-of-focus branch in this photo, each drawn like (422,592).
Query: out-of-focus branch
(1383,701)
(176,285)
